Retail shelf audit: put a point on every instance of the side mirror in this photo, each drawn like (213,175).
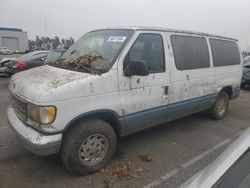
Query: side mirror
(138,68)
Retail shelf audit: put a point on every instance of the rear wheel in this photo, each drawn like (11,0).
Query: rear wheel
(88,146)
(220,107)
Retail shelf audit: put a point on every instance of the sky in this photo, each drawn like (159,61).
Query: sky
(65,18)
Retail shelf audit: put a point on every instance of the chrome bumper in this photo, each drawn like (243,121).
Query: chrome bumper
(34,141)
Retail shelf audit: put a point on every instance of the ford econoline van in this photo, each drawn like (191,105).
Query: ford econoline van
(117,81)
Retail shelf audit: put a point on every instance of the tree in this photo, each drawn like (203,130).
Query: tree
(56,42)
(38,42)
(71,41)
(46,43)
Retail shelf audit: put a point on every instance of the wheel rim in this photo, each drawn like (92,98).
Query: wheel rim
(93,149)
(221,108)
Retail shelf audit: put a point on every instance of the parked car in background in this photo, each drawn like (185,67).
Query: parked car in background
(230,170)
(5,51)
(246,60)
(27,61)
(6,60)
(54,55)
(118,81)
(2,71)
(3,64)
(246,75)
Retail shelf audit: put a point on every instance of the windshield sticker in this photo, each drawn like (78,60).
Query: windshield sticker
(116,39)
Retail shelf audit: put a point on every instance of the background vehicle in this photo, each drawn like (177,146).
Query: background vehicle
(54,55)
(5,51)
(6,60)
(246,74)
(27,61)
(246,60)
(2,71)
(118,81)
(230,170)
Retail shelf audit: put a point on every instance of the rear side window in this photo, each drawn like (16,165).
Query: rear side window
(190,52)
(224,52)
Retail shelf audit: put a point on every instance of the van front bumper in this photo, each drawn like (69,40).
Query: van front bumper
(33,140)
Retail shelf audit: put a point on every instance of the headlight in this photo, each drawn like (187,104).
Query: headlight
(41,114)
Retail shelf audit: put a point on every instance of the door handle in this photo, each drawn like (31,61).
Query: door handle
(165,90)
(165,96)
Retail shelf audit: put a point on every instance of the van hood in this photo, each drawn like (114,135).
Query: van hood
(33,84)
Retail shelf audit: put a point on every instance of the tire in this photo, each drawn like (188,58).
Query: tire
(220,107)
(88,146)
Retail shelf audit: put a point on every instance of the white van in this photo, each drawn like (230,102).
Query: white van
(117,81)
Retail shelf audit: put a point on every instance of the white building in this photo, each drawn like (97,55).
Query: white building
(13,38)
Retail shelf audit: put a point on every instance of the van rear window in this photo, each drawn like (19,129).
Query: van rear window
(190,52)
(224,52)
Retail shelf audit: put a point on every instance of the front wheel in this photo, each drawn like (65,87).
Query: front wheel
(220,107)
(88,146)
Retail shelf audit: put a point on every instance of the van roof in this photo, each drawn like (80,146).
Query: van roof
(170,30)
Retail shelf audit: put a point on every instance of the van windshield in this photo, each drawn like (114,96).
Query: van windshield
(94,52)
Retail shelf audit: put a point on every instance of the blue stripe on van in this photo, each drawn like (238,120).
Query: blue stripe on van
(145,119)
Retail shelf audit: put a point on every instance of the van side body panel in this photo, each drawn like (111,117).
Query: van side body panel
(190,83)
(149,118)
(131,105)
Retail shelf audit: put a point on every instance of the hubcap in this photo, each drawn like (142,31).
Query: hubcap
(93,149)
(221,106)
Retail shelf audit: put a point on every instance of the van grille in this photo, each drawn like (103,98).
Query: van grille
(20,106)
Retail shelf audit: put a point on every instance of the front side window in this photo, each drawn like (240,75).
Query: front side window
(148,48)
(190,52)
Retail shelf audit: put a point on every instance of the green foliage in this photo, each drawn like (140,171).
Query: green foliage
(46,43)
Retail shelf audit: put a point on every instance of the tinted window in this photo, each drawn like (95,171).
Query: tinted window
(148,48)
(190,52)
(224,52)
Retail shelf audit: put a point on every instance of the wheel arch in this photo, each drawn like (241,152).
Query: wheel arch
(229,90)
(109,116)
